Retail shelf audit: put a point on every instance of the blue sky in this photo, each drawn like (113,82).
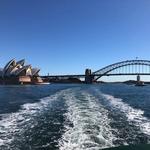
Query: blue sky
(67,36)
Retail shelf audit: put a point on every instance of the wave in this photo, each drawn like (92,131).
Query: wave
(87,123)
(134,116)
(13,125)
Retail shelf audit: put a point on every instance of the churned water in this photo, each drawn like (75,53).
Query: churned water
(73,117)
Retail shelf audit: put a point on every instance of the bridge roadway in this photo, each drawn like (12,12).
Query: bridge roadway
(129,67)
(94,75)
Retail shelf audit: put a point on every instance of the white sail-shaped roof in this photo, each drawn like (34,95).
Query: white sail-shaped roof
(35,71)
(21,70)
(21,62)
(14,69)
(11,63)
(1,72)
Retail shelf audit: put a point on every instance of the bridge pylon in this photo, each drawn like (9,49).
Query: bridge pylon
(138,79)
(88,76)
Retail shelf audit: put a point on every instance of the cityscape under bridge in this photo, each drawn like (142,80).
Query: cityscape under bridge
(129,67)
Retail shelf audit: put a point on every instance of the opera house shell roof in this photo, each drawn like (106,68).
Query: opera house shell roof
(18,68)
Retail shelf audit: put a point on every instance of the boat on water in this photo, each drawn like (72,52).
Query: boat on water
(140,83)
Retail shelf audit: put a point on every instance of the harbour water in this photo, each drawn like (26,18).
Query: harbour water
(73,116)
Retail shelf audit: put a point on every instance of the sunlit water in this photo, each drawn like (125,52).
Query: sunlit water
(73,117)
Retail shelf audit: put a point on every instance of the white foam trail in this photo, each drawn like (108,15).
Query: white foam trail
(91,129)
(13,124)
(135,116)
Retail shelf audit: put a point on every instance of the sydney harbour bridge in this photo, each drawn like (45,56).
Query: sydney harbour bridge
(128,67)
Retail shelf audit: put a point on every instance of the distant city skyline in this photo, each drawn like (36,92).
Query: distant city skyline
(66,37)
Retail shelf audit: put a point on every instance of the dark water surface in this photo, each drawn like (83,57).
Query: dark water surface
(73,117)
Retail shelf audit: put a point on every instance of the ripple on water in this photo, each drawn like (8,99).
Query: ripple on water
(134,116)
(16,127)
(90,123)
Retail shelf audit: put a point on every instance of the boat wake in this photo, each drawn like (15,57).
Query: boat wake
(87,123)
(13,126)
(134,116)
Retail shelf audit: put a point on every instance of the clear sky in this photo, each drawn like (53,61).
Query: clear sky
(67,36)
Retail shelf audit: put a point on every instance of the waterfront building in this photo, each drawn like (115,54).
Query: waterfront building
(16,72)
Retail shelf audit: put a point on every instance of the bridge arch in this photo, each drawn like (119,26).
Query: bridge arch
(104,71)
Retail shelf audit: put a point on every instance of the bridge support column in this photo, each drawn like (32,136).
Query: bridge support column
(138,79)
(88,76)
(139,82)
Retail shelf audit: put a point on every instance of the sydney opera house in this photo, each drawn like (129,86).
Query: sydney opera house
(16,72)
